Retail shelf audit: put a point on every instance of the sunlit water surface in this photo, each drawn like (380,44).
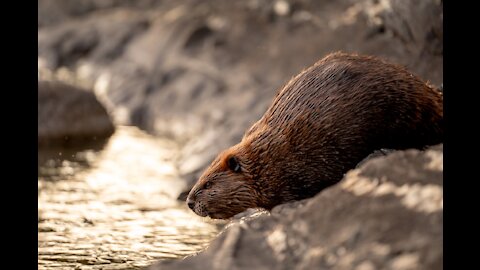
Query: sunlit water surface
(115,207)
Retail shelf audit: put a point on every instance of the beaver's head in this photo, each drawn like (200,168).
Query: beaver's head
(254,173)
(227,187)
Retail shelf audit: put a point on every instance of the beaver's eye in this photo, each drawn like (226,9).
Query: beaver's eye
(233,164)
(207,185)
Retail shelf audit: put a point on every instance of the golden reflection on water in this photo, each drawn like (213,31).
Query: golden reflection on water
(117,207)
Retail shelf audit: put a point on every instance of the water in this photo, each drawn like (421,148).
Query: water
(114,206)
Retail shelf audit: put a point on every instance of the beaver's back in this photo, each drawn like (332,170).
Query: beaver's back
(338,111)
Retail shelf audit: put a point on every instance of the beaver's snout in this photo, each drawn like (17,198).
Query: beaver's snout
(197,206)
(190,203)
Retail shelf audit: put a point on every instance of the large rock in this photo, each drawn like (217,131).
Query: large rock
(68,114)
(387,214)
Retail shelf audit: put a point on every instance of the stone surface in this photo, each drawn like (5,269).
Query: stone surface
(387,214)
(67,114)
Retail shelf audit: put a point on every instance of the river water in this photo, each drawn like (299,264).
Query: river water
(114,206)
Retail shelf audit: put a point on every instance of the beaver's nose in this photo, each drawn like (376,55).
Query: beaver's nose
(190,203)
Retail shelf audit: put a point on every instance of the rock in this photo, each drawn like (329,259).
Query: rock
(68,114)
(419,27)
(100,39)
(52,12)
(387,214)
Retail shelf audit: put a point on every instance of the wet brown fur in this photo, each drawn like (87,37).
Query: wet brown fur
(321,124)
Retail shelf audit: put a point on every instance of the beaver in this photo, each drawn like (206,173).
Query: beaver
(321,123)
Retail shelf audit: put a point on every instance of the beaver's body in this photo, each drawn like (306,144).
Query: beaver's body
(321,124)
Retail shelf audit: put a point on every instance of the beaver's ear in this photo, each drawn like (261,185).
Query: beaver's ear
(233,164)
